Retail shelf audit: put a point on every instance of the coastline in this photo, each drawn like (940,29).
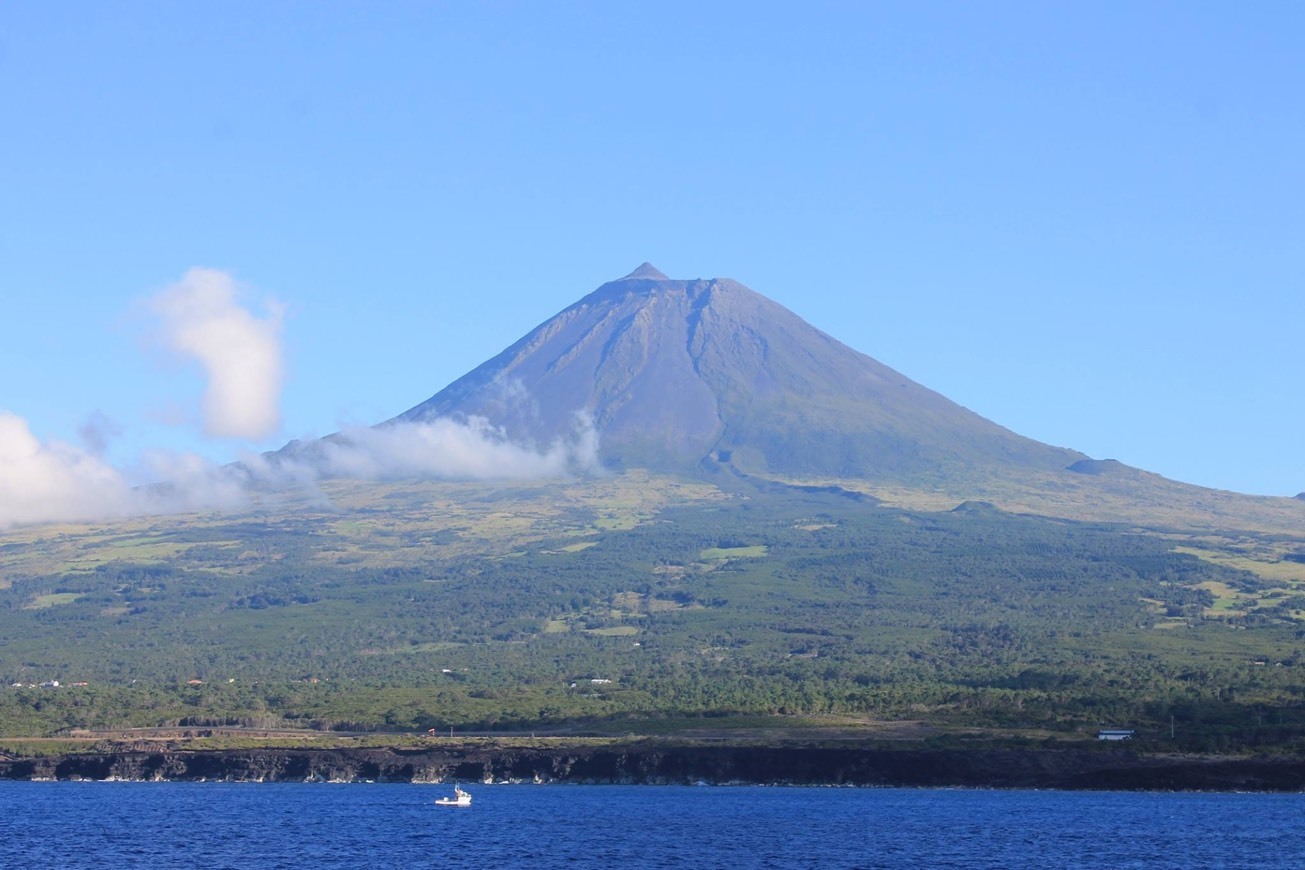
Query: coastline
(662,763)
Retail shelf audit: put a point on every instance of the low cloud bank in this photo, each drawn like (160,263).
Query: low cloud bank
(44,482)
(452,450)
(442,449)
(50,482)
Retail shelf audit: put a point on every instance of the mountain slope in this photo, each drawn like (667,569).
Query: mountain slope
(631,596)
(674,374)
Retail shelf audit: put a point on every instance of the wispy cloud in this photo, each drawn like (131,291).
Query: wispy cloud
(52,482)
(203,318)
(448,449)
(97,431)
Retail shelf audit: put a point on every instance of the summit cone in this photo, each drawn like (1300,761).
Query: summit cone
(683,375)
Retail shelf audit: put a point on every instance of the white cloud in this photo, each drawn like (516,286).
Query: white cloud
(241,353)
(203,318)
(452,450)
(55,481)
(189,482)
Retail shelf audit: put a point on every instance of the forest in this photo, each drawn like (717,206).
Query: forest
(440,608)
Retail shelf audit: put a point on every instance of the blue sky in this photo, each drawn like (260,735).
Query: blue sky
(1083,221)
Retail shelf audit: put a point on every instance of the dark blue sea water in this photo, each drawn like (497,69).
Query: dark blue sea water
(220,825)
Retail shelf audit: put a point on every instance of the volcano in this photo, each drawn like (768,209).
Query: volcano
(686,375)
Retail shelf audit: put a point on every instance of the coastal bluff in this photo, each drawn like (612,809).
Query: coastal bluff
(661,764)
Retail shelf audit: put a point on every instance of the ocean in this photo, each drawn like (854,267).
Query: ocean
(231,825)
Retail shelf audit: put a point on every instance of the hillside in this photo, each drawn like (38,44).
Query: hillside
(640,598)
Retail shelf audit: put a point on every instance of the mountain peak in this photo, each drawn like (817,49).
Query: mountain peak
(647,271)
(691,375)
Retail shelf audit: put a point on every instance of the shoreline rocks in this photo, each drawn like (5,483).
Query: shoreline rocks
(660,764)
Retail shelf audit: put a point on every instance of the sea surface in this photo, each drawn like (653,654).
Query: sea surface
(228,825)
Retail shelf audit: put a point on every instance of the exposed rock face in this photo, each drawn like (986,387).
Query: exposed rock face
(651,764)
(675,374)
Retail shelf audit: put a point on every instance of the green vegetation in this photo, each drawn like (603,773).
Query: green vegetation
(743,552)
(54,599)
(401,614)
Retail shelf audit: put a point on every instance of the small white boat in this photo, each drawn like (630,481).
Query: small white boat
(460,798)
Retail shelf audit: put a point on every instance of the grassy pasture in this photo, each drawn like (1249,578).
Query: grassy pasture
(577,547)
(54,599)
(1227,601)
(1266,564)
(756,551)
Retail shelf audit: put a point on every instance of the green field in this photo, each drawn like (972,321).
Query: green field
(752,552)
(53,599)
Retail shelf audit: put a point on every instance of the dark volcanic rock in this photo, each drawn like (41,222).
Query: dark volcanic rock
(664,764)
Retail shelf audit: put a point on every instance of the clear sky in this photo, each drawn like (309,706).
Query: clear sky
(1085,221)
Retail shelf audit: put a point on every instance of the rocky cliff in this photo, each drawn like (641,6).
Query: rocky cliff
(666,764)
